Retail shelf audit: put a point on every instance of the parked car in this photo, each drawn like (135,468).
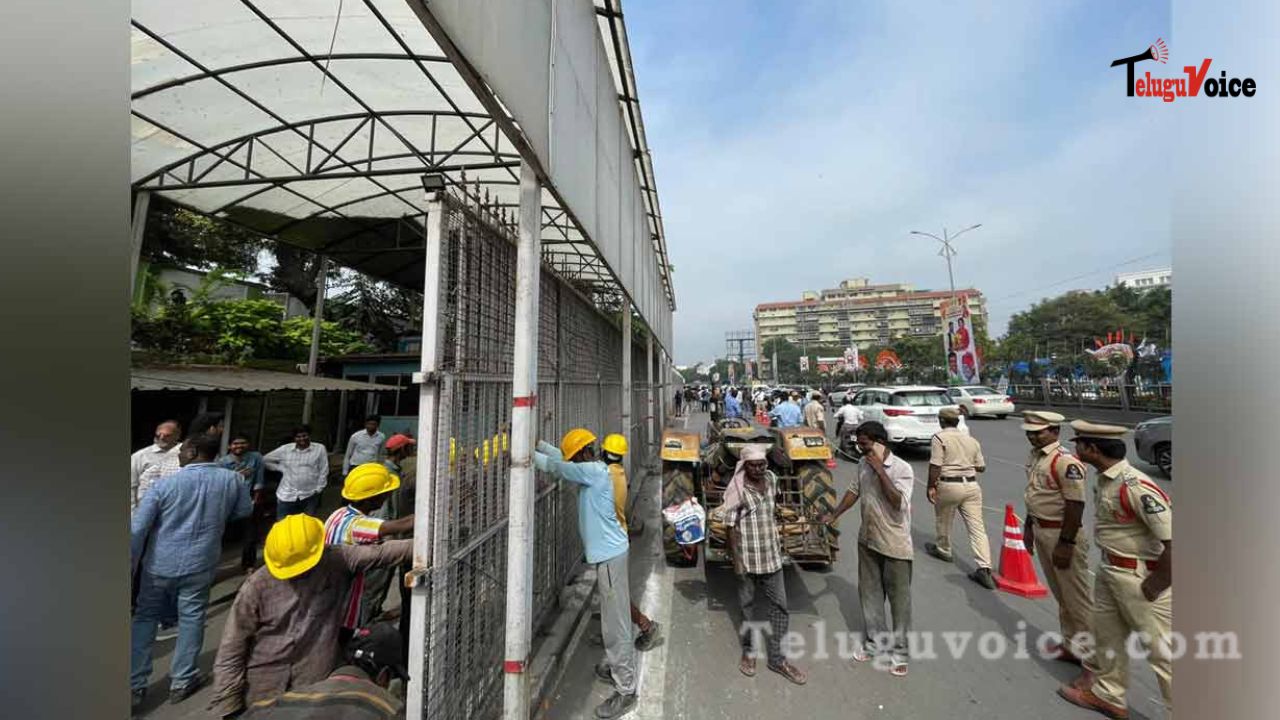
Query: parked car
(980,400)
(837,396)
(1153,439)
(909,413)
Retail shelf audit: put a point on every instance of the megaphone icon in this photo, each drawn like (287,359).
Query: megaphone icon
(1158,52)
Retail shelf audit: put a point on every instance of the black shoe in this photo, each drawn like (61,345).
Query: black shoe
(177,695)
(604,673)
(138,696)
(934,551)
(616,706)
(647,639)
(982,576)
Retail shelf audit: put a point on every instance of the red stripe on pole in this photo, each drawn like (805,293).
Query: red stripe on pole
(513,666)
(526,401)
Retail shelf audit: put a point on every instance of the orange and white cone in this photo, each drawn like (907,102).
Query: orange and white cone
(1017,575)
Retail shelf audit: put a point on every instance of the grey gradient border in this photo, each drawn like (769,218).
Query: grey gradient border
(1225,226)
(64,214)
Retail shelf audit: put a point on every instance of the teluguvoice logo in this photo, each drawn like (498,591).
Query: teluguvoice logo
(1195,81)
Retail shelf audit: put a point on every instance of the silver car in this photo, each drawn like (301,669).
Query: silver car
(1153,439)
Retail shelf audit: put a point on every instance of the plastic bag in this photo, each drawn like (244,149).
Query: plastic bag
(689,520)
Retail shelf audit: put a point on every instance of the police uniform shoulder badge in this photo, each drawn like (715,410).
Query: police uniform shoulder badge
(1152,506)
(1074,472)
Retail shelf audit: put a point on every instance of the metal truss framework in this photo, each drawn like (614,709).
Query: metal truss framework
(370,146)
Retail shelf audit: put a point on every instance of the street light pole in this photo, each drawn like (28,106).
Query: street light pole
(947,251)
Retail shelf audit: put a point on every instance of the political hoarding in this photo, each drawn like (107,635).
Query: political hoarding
(959,342)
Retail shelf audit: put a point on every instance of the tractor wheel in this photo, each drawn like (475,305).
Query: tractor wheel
(677,485)
(819,492)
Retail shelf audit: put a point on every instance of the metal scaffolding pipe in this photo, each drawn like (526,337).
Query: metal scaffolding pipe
(141,204)
(428,467)
(626,381)
(649,416)
(520,529)
(317,320)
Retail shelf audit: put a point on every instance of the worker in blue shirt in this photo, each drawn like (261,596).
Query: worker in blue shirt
(732,405)
(606,545)
(787,413)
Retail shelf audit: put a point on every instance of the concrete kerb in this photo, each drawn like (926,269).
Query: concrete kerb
(557,647)
(1109,417)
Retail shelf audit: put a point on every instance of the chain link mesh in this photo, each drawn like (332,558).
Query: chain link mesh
(579,385)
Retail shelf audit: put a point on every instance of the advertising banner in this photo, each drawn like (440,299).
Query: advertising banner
(804,363)
(959,342)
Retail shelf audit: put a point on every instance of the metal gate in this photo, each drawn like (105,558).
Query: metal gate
(579,384)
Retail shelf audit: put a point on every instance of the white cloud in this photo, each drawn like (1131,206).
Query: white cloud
(918,118)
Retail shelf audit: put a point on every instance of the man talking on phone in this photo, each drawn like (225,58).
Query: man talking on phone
(884,546)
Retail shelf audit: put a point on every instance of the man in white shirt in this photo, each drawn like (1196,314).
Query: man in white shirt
(365,446)
(848,417)
(168,433)
(304,470)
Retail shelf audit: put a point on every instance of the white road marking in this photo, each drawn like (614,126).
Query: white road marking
(651,671)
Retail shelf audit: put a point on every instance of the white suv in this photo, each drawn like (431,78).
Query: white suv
(909,413)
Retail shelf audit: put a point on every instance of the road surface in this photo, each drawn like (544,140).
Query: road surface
(693,673)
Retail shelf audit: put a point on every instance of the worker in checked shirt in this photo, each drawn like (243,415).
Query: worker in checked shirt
(168,435)
(365,489)
(365,446)
(304,471)
(955,462)
(757,561)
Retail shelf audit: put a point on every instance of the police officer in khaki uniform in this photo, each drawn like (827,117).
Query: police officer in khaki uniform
(1055,511)
(954,463)
(1132,592)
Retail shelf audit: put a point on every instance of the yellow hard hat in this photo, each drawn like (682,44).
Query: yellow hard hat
(293,546)
(367,480)
(574,441)
(615,444)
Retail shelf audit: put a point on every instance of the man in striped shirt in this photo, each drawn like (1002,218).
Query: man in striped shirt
(366,488)
(304,470)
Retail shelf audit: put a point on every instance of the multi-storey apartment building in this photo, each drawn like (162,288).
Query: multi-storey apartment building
(859,313)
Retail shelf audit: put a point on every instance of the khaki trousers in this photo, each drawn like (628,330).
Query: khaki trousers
(967,498)
(1120,609)
(1071,587)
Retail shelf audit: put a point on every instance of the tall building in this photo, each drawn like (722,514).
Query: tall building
(858,313)
(1145,279)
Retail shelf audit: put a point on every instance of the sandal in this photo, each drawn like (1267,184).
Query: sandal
(790,672)
(899,670)
(747,666)
(861,655)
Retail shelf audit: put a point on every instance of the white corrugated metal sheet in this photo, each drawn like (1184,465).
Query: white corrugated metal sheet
(220,378)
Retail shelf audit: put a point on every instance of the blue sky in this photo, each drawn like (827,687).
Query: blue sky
(798,143)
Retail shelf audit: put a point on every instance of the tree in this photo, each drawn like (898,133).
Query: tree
(1064,325)
(788,357)
(177,236)
(376,311)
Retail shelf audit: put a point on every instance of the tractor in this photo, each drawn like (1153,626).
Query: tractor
(798,456)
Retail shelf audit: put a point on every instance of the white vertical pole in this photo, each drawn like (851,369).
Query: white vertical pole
(428,467)
(649,416)
(141,203)
(227,407)
(626,380)
(520,528)
(313,359)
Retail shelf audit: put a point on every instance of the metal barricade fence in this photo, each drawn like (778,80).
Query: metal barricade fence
(1134,397)
(579,384)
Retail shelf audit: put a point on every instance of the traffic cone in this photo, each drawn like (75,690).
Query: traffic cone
(1016,574)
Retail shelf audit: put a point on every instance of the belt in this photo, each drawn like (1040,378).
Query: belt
(958,479)
(1127,563)
(1047,524)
